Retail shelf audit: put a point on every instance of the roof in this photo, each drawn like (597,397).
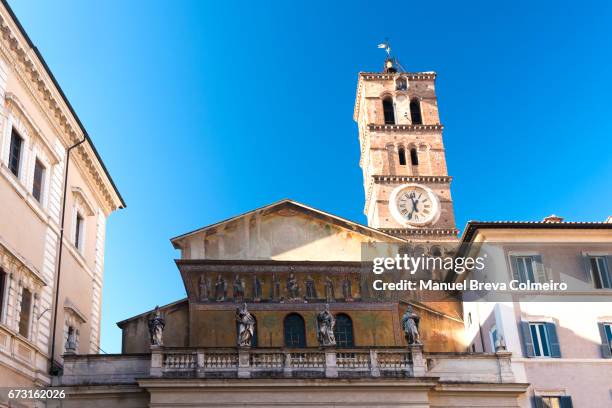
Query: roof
(342,222)
(148,312)
(64,98)
(473,226)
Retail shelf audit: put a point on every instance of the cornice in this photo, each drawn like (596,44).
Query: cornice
(382,178)
(421,231)
(33,72)
(399,128)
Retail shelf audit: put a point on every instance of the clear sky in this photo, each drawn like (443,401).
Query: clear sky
(205,110)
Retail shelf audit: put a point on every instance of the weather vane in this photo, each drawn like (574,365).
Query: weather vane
(385,45)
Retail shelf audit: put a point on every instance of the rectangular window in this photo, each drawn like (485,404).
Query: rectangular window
(39,177)
(553,402)
(541,345)
(608,332)
(524,266)
(15,153)
(2,291)
(601,272)
(24,314)
(78,231)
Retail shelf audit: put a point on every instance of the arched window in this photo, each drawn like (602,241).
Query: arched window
(401,84)
(415,112)
(295,332)
(254,339)
(402,156)
(344,331)
(414,157)
(388,111)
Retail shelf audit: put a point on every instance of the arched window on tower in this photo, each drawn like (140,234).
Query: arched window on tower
(344,331)
(402,156)
(415,112)
(388,111)
(414,157)
(295,332)
(401,84)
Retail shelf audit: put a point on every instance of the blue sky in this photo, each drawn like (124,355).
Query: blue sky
(205,110)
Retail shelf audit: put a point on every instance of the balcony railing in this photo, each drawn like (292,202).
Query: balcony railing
(302,363)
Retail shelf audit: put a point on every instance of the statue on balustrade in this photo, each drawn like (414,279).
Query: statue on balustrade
(156,328)
(325,328)
(347,290)
(311,290)
(293,289)
(329,290)
(238,288)
(220,288)
(257,288)
(246,326)
(204,288)
(410,325)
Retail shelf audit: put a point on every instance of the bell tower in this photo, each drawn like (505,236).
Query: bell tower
(406,183)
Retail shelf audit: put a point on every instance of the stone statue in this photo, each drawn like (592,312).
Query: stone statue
(311,290)
(325,327)
(204,288)
(347,290)
(156,327)
(410,325)
(329,290)
(220,288)
(275,287)
(71,341)
(246,326)
(257,287)
(293,289)
(238,288)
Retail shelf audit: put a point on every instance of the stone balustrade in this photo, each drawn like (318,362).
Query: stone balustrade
(302,363)
(399,362)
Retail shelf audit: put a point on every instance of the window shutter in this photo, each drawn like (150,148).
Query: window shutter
(586,260)
(553,339)
(514,267)
(540,272)
(527,340)
(538,403)
(605,345)
(566,402)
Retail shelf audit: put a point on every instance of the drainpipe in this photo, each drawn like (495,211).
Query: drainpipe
(55,369)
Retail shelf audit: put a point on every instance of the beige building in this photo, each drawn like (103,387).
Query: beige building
(37,127)
(561,345)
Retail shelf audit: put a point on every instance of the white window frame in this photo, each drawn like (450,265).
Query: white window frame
(523,257)
(606,270)
(539,340)
(80,245)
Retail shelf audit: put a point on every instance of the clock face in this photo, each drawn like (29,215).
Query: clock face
(413,204)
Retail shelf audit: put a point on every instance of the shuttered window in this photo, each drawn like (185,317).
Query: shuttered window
(605,332)
(25,312)
(601,272)
(528,268)
(39,176)
(540,339)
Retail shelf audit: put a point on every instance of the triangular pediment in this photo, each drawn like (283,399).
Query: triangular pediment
(285,230)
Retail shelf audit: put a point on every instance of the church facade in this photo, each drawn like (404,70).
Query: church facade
(279,311)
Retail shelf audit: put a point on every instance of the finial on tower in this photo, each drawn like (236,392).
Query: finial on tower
(391,63)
